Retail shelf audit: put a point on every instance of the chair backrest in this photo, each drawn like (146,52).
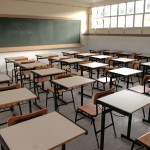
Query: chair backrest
(43,67)
(145,79)
(65,58)
(110,62)
(21,59)
(28,62)
(19,119)
(136,64)
(64,76)
(11,87)
(85,62)
(102,94)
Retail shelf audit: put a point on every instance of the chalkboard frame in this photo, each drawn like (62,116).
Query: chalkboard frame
(40,47)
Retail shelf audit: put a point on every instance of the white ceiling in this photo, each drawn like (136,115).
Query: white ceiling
(83,3)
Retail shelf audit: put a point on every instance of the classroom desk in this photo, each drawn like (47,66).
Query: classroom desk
(29,66)
(126,54)
(42,133)
(146,66)
(70,53)
(91,66)
(17,64)
(125,102)
(112,52)
(124,61)
(71,61)
(4,78)
(56,59)
(70,82)
(100,57)
(143,56)
(45,56)
(11,59)
(96,51)
(16,95)
(45,72)
(85,55)
(126,72)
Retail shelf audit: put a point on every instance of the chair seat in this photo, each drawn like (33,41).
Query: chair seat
(65,67)
(79,73)
(90,109)
(145,139)
(108,67)
(139,89)
(52,90)
(103,80)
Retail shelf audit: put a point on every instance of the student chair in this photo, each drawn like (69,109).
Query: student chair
(65,67)
(41,80)
(106,78)
(144,141)
(136,65)
(26,73)
(60,91)
(91,111)
(16,70)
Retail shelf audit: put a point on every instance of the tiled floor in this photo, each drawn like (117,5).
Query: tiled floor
(88,142)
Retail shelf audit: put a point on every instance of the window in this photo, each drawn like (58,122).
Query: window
(113,22)
(122,15)
(147,20)
(122,9)
(114,10)
(130,8)
(147,6)
(121,21)
(129,21)
(138,20)
(139,6)
(106,22)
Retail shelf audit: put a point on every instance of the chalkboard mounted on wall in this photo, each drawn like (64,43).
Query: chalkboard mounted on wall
(38,33)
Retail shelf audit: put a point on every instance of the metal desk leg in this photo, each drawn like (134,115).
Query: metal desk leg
(21,77)
(128,130)
(102,129)
(6,66)
(81,95)
(30,106)
(63,147)
(147,121)
(55,98)
(127,82)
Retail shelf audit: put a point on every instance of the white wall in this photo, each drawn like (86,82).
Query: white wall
(126,43)
(13,7)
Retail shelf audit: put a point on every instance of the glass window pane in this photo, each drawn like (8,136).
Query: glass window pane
(94,12)
(147,20)
(130,8)
(121,21)
(147,6)
(139,6)
(94,23)
(100,23)
(129,21)
(122,9)
(138,20)
(114,10)
(106,22)
(100,11)
(113,22)
(107,10)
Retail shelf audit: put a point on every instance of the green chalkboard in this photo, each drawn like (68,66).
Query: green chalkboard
(16,32)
